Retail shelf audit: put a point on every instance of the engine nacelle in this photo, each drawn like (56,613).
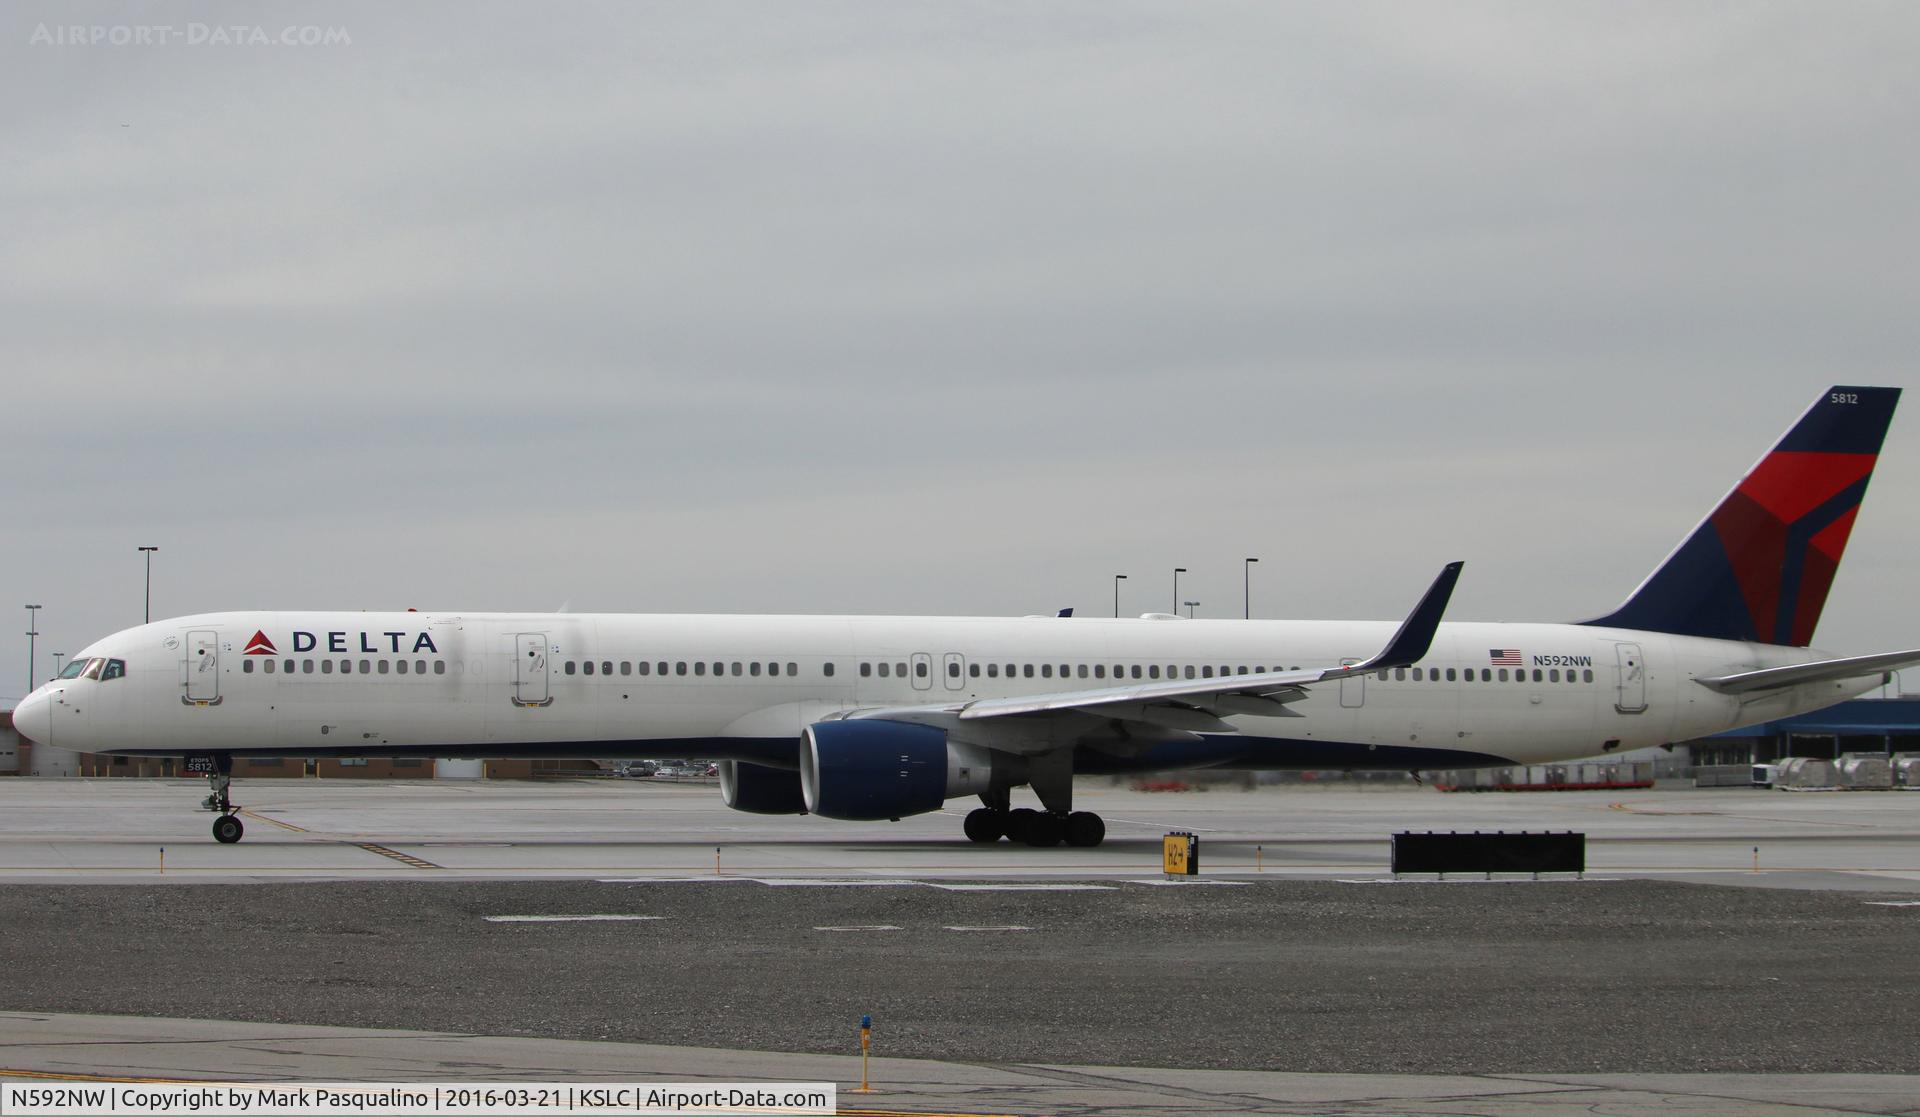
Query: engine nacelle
(866,770)
(758,789)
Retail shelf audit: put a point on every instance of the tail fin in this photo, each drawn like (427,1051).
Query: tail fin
(1759,566)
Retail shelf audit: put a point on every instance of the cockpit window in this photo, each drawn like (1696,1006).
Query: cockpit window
(94,667)
(73,669)
(116,668)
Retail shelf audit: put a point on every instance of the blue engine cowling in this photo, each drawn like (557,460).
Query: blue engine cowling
(758,789)
(866,770)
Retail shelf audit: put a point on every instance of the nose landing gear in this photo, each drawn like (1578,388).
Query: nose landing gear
(218,768)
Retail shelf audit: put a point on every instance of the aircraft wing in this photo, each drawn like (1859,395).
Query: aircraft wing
(1264,694)
(1820,671)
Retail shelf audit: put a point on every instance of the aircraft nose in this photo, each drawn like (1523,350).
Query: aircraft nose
(33,717)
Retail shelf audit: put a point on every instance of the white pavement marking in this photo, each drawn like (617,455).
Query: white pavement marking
(1893,903)
(1163,882)
(1014,887)
(572,918)
(862,927)
(1009,927)
(805,882)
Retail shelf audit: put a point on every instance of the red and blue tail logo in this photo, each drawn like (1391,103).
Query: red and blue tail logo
(1759,567)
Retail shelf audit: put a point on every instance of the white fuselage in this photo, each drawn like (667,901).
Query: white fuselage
(745,686)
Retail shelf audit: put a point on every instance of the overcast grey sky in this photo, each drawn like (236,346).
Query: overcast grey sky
(917,308)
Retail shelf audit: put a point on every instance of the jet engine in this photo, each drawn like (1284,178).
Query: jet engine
(758,789)
(886,769)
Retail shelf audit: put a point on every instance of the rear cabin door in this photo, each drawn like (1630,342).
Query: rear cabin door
(203,667)
(530,670)
(1632,668)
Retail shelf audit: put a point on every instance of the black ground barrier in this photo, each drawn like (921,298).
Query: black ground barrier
(1490,853)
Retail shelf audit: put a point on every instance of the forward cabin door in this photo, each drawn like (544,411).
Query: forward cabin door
(1632,675)
(203,668)
(530,670)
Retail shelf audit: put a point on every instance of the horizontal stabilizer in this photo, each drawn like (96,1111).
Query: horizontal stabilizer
(1772,678)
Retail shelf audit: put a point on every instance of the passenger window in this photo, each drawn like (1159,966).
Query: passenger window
(1046,670)
(346,667)
(825,669)
(919,670)
(246,667)
(900,669)
(753,669)
(265,665)
(1536,674)
(794,668)
(662,669)
(606,667)
(1400,674)
(1153,671)
(643,667)
(1099,670)
(1587,675)
(570,668)
(1027,670)
(993,670)
(439,666)
(1081,670)
(1553,676)
(1136,670)
(736,668)
(1503,674)
(973,670)
(306,667)
(953,670)
(384,668)
(326,667)
(886,670)
(401,666)
(626,667)
(1416,674)
(1449,674)
(700,667)
(1206,671)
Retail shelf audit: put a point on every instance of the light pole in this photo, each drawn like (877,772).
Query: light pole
(1246,589)
(1191,606)
(148,552)
(1117,579)
(56,663)
(33,630)
(1177,571)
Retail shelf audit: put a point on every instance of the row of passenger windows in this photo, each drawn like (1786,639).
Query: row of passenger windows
(920,670)
(1486,675)
(682,667)
(326,666)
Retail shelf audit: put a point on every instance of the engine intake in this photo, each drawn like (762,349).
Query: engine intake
(865,770)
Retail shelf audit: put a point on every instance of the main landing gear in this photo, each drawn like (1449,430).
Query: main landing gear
(219,770)
(1035,828)
(1051,777)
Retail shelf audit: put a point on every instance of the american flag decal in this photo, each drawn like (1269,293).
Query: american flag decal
(1504,657)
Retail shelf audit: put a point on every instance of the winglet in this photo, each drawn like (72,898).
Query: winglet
(1410,644)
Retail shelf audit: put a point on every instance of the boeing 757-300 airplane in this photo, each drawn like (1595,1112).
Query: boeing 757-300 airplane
(882,717)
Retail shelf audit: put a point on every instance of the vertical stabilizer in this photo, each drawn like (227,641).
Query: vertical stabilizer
(1759,566)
